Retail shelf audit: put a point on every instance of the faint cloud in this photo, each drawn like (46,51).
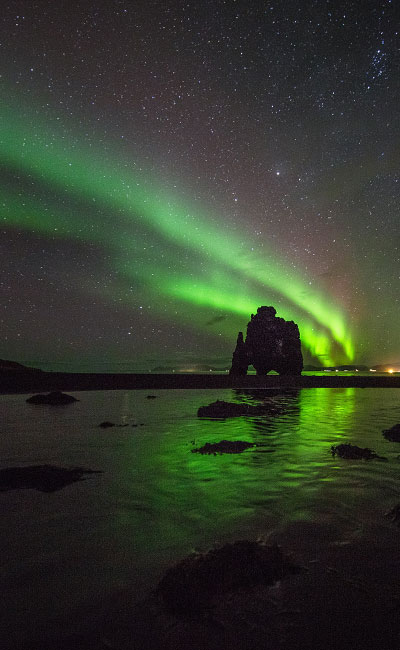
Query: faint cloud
(216,319)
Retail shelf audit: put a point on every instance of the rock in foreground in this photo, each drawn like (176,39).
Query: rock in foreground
(45,478)
(195,584)
(353,452)
(54,398)
(221,409)
(224,447)
(392,434)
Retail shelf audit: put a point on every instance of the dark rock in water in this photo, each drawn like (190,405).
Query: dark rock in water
(271,343)
(107,425)
(353,452)
(394,515)
(151,396)
(221,409)
(45,478)
(224,447)
(54,398)
(392,434)
(191,586)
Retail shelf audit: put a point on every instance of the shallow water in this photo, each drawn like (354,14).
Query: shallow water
(64,554)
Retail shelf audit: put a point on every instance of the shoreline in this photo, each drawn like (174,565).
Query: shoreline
(41,381)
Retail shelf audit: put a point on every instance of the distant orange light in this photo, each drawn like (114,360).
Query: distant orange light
(390,370)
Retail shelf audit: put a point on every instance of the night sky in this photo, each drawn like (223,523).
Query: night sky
(168,167)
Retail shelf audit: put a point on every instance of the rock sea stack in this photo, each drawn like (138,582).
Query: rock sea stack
(272,343)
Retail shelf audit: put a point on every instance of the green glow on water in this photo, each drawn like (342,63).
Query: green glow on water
(283,479)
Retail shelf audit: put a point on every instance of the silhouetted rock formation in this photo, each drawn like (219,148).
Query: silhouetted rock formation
(54,398)
(272,343)
(240,361)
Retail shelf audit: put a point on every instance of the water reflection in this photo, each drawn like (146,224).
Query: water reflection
(186,493)
(156,500)
(175,499)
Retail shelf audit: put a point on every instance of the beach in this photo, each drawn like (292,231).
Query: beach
(81,564)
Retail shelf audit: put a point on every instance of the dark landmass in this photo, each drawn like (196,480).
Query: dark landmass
(197,367)
(45,478)
(224,447)
(16,378)
(22,382)
(6,365)
(383,367)
(360,368)
(352,452)
(203,367)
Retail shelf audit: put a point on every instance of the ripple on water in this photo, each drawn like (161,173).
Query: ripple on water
(155,500)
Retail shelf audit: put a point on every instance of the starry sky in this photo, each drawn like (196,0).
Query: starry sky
(168,167)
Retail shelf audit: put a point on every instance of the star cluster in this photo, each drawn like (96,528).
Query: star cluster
(169,167)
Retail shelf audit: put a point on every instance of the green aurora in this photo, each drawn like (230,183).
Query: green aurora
(196,261)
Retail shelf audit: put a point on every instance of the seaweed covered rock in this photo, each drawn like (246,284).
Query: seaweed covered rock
(54,398)
(352,452)
(272,343)
(45,478)
(192,585)
(392,434)
(224,447)
(221,409)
